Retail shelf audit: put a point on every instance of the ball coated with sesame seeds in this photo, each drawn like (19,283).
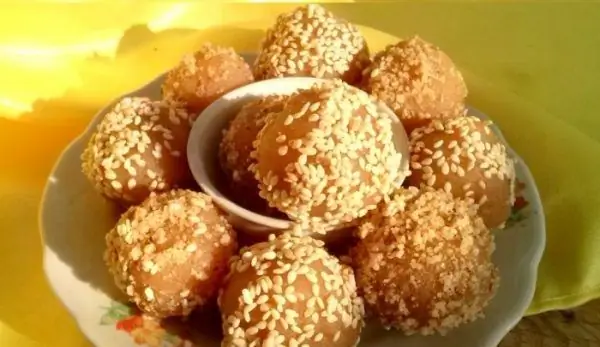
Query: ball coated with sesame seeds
(418,81)
(288,291)
(138,147)
(236,147)
(328,158)
(463,156)
(204,76)
(169,255)
(423,262)
(311,41)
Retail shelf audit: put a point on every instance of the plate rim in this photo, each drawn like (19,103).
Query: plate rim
(493,339)
(537,254)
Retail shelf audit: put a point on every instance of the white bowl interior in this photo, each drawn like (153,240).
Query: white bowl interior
(74,219)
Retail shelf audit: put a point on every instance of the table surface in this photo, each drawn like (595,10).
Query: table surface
(579,327)
(30,315)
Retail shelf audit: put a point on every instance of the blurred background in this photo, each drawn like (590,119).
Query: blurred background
(531,65)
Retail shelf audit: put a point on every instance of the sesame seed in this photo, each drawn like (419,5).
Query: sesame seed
(445,169)
(281,138)
(149,248)
(149,293)
(225,240)
(431,181)
(282,150)
(131,183)
(448,187)
(483,199)
(288,120)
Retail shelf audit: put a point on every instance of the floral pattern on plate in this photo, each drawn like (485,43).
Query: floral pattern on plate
(145,331)
(519,211)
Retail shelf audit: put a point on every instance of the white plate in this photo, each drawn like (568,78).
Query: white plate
(74,220)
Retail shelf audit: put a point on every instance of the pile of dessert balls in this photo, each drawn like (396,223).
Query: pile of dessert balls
(419,259)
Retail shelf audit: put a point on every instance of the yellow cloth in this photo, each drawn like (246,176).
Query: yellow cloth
(532,67)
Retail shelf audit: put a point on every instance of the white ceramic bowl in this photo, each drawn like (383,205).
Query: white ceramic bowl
(206,134)
(74,220)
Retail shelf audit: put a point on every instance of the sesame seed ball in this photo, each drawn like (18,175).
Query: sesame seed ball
(418,81)
(463,156)
(204,76)
(328,157)
(289,291)
(423,262)
(236,147)
(311,41)
(169,255)
(138,147)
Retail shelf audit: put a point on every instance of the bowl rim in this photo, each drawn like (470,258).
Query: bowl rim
(197,168)
(256,90)
(535,250)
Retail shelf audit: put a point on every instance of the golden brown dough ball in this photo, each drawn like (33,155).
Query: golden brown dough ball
(311,41)
(138,147)
(169,255)
(204,76)
(328,157)
(418,81)
(423,263)
(463,156)
(236,147)
(289,291)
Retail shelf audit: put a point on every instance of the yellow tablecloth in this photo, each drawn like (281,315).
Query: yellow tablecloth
(533,67)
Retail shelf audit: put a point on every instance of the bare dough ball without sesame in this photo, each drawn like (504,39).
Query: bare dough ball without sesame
(236,148)
(463,156)
(204,76)
(289,291)
(139,147)
(328,157)
(311,41)
(169,255)
(418,81)
(423,262)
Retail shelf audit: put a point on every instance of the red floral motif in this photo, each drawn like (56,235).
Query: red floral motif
(130,323)
(520,203)
(518,212)
(143,330)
